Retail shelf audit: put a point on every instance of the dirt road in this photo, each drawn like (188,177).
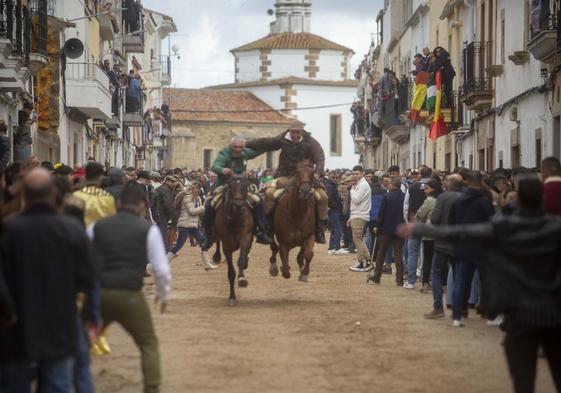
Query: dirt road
(332,334)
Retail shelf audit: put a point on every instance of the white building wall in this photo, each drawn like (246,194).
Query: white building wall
(318,120)
(247,67)
(329,64)
(271,95)
(285,63)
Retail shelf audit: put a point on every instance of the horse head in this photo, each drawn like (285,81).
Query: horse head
(305,179)
(237,190)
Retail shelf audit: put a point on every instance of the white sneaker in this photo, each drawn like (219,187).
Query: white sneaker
(495,322)
(408,286)
(457,323)
(171,256)
(331,252)
(357,267)
(341,251)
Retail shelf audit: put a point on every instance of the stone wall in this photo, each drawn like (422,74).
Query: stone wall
(190,139)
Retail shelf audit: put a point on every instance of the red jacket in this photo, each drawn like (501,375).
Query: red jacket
(552,195)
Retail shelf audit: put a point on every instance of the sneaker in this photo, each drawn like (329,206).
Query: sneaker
(358,267)
(408,286)
(387,269)
(435,314)
(457,323)
(495,322)
(341,251)
(368,267)
(331,252)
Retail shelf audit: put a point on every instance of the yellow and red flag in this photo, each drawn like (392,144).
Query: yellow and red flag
(419,95)
(439,127)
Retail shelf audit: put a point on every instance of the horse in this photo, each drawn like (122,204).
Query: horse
(294,222)
(234,227)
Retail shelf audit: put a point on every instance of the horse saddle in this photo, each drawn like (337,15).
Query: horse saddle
(281,186)
(219,193)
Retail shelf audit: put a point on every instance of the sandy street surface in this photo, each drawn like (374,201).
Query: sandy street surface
(333,334)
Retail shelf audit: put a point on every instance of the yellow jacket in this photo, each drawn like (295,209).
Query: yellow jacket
(99,203)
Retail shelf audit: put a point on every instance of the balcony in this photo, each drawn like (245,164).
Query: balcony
(133,33)
(162,68)
(398,133)
(477,86)
(132,111)
(543,39)
(87,90)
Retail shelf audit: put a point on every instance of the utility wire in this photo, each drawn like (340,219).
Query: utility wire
(263,110)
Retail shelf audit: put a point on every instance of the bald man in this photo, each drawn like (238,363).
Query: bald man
(47,262)
(443,250)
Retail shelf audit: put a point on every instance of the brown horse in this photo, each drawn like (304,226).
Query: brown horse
(294,223)
(234,228)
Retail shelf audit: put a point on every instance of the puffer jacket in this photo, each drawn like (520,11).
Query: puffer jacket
(192,209)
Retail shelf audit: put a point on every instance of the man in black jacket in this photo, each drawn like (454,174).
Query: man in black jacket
(47,262)
(166,209)
(524,279)
(335,209)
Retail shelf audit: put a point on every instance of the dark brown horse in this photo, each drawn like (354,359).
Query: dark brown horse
(294,223)
(234,228)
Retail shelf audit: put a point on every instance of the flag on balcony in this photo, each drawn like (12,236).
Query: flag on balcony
(431,97)
(439,127)
(419,95)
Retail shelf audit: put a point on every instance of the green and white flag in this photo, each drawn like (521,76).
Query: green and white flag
(431,97)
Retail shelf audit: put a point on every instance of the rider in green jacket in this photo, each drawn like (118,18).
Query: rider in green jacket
(233,160)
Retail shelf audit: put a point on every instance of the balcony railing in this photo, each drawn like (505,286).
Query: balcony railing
(87,89)
(15,25)
(477,57)
(547,22)
(544,35)
(162,66)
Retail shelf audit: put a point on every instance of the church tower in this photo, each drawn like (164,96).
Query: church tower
(293,16)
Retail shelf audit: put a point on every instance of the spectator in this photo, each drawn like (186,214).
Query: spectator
(126,243)
(23,141)
(47,262)
(5,148)
(335,209)
(99,203)
(116,177)
(360,214)
(167,213)
(390,216)
(551,173)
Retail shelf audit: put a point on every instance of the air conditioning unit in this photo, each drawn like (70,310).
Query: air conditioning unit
(514,114)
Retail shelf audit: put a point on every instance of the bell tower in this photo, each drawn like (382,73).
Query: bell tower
(292,16)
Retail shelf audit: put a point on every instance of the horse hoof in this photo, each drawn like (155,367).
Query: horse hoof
(242,282)
(286,274)
(232,302)
(303,278)
(274,270)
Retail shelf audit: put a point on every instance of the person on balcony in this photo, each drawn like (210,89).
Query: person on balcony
(134,93)
(23,141)
(442,63)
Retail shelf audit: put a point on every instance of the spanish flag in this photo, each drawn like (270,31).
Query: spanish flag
(419,95)
(438,128)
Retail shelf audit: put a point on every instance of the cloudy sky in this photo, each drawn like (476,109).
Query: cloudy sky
(209,29)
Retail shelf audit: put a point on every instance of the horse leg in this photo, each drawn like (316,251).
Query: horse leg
(231,277)
(273,269)
(308,251)
(285,269)
(216,258)
(242,262)
(300,259)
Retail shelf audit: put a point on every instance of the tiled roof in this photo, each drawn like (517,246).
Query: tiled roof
(292,41)
(221,106)
(292,80)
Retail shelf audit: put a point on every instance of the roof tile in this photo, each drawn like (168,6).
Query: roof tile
(292,41)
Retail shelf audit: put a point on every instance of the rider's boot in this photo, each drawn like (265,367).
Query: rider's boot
(320,231)
(262,235)
(208,221)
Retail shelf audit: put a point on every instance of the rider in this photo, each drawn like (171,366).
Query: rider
(296,145)
(233,160)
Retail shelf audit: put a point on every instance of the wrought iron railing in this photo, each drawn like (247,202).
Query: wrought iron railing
(15,25)
(40,11)
(545,22)
(476,57)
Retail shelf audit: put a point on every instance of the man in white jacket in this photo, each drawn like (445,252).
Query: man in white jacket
(360,215)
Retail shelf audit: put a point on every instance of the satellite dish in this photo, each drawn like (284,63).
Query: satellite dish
(270,12)
(73,48)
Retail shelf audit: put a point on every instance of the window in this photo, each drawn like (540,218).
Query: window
(481,159)
(538,152)
(434,158)
(448,162)
(471,161)
(269,160)
(503,33)
(557,137)
(515,156)
(335,135)
(207,158)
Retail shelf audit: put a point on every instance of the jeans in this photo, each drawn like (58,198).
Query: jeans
(464,270)
(82,376)
(336,230)
(438,277)
(413,250)
(54,376)
(183,235)
(428,252)
(521,348)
